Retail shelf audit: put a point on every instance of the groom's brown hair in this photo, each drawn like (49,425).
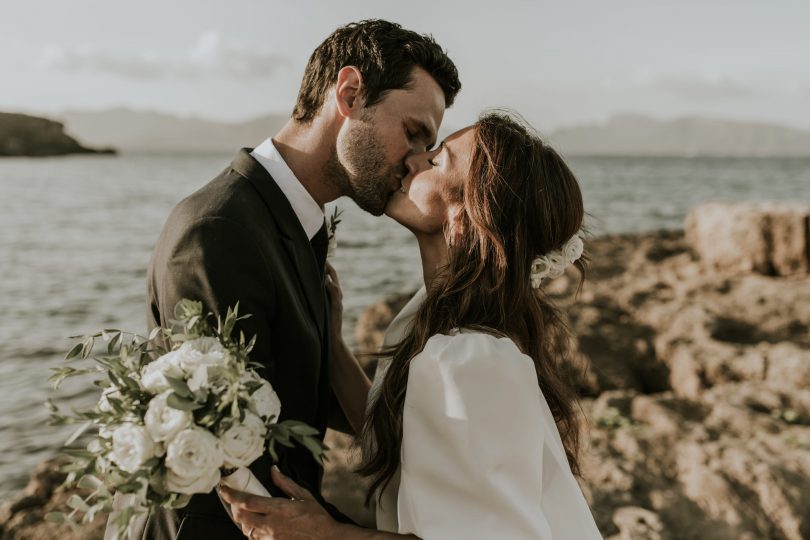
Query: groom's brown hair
(384,53)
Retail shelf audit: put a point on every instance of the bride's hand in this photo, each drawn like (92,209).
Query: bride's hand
(300,516)
(336,302)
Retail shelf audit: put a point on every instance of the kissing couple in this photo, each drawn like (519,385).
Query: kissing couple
(469,429)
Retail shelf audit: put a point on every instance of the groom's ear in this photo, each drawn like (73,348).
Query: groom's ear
(347,91)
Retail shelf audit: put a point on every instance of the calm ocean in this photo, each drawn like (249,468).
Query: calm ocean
(76,234)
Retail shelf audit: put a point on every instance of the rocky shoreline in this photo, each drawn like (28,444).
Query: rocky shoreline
(31,136)
(694,372)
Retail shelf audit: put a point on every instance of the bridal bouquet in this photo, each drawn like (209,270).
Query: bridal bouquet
(168,428)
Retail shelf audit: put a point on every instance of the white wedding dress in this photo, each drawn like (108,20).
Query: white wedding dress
(481,453)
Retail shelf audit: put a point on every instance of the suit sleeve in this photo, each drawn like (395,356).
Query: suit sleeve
(217,261)
(472,449)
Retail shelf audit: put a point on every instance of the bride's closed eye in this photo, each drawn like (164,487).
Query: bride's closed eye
(432,160)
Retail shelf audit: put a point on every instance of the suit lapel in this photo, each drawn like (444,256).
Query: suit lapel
(293,236)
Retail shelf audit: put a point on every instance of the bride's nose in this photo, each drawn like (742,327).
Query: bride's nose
(416,163)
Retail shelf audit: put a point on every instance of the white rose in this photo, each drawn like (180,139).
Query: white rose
(164,422)
(243,443)
(103,401)
(132,447)
(265,399)
(572,250)
(204,351)
(557,264)
(193,459)
(153,374)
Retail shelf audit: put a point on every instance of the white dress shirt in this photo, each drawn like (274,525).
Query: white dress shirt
(306,209)
(481,454)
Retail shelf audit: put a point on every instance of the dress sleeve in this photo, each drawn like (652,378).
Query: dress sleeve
(473,442)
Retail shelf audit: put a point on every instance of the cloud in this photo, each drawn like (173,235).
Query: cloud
(209,57)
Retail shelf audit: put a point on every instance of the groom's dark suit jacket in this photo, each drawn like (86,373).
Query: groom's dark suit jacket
(238,240)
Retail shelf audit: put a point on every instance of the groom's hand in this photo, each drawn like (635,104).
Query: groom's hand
(300,516)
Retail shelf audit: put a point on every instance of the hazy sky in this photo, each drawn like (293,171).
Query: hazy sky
(557,63)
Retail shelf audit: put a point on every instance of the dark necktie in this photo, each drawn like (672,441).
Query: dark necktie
(320,245)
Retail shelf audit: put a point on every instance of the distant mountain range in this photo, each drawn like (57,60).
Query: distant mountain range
(137,131)
(637,135)
(631,135)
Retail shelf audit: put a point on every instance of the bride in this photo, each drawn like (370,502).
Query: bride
(469,429)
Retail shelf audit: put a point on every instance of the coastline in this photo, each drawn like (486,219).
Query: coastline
(695,392)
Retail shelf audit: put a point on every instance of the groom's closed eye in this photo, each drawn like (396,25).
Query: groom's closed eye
(417,131)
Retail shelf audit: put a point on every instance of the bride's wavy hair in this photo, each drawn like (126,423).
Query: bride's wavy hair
(520,200)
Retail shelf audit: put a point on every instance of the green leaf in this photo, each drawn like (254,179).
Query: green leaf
(87,346)
(178,402)
(51,406)
(79,453)
(315,447)
(179,501)
(180,387)
(113,343)
(89,481)
(77,503)
(77,433)
(300,428)
(55,517)
(74,351)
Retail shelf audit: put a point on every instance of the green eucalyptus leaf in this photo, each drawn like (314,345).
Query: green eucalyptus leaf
(74,351)
(77,503)
(55,517)
(154,333)
(180,387)
(178,402)
(89,481)
(87,346)
(78,433)
(79,452)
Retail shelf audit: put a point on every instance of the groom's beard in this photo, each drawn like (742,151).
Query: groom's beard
(373,180)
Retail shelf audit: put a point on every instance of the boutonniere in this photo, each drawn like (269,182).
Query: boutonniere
(331,229)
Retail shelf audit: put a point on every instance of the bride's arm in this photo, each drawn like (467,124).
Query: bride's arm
(349,382)
(300,516)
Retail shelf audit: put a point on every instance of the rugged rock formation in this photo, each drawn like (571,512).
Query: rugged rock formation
(23,135)
(700,384)
(696,398)
(768,238)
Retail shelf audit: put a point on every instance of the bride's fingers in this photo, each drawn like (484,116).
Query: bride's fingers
(289,486)
(245,501)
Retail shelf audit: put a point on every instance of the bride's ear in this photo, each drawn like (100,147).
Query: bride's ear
(347,91)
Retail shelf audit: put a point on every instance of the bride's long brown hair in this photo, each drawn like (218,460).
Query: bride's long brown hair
(520,200)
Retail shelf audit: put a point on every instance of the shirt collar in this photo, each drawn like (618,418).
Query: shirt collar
(306,209)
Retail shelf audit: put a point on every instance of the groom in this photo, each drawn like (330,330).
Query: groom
(372,93)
